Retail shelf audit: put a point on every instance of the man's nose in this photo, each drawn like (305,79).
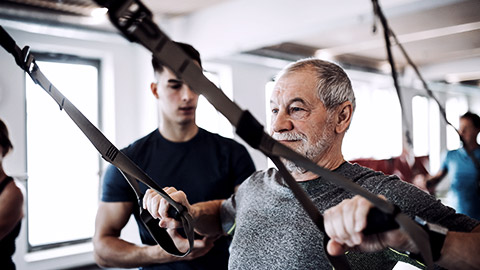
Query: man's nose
(187,93)
(281,122)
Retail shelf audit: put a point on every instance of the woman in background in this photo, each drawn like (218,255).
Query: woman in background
(11,206)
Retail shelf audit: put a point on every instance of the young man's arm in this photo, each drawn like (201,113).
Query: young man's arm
(111,251)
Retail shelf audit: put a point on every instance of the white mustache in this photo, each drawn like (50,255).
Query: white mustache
(289,136)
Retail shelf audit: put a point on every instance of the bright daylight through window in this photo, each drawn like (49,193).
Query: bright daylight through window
(63,167)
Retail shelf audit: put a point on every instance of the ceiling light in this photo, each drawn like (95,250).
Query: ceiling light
(324,55)
(98,12)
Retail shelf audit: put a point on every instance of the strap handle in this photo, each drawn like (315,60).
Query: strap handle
(109,152)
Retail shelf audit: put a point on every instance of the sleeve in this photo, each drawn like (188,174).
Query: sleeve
(415,202)
(444,165)
(242,164)
(115,188)
(227,215)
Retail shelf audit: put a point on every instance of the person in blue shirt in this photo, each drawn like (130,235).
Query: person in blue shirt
(461,167)
(180,154)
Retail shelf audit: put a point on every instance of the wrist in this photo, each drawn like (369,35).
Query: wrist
(436,235)
(158,255)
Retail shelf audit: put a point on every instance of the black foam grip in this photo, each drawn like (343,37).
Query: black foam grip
(250,130)
(378,221)
(173,213)
(160,235)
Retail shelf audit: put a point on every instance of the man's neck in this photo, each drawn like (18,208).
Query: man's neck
(178,132)
(472,146)
(331,162)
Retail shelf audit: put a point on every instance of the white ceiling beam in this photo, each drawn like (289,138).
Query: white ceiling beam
(241,25)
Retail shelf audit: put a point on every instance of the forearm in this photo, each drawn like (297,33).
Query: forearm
(436,179)
(112,251)
(207,217)
(460,250)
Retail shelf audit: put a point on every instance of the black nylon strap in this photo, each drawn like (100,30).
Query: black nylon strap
(134,20)
(108,151)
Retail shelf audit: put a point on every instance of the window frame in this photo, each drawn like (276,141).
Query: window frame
(67,59)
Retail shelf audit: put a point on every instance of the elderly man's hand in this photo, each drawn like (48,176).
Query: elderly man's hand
(158,206)
(345,222)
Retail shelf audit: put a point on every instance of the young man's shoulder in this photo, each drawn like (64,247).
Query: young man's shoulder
(220,139)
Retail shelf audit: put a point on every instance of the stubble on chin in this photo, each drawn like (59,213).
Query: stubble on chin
(312,152)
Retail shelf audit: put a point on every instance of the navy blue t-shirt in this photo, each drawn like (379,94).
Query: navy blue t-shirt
(207,167)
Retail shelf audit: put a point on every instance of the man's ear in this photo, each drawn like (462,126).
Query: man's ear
(344,117)
(153,87)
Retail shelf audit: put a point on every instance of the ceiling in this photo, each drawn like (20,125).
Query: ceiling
(441,36)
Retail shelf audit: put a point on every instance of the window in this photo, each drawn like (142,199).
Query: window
(454,108)
(376,128)
(426,129)
(207,117)
(420,125)
(63,167)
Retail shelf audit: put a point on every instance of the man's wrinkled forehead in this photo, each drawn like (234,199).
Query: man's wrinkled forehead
(297,85)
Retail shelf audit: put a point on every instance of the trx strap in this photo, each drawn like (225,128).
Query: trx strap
(389,32)
(109,152)
(134,20)
(378,12)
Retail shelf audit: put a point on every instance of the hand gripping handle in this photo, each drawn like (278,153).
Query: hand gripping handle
(378,221)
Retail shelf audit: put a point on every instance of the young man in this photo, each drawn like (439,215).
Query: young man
(312,106)
(180,154)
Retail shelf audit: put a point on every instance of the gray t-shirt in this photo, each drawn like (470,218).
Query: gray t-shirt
(272,231)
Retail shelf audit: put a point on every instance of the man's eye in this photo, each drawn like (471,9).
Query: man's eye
(296,109)
(274,111)
(176,86)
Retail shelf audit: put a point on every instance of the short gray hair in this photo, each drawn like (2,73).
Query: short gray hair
(333,85)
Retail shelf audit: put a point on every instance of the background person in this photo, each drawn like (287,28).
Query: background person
(464,175)
(11,206)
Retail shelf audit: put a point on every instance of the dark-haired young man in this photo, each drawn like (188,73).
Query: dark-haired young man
(180,154)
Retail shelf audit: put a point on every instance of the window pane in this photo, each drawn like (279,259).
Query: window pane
(376,128)
(207,117)
(420,112)
(455,107)
(63,167)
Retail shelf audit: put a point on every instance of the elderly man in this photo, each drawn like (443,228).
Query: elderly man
(312,106)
